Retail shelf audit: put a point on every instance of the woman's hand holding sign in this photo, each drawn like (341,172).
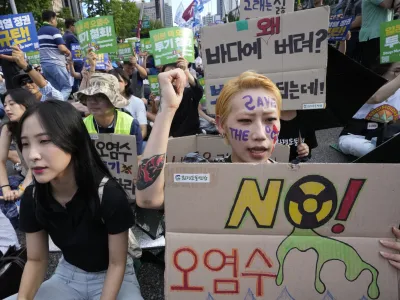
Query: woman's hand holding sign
(393,258)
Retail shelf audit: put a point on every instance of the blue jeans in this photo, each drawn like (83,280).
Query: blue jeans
(58,77)
(72,283)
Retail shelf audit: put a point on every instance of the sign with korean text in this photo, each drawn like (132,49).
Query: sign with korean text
(266,231)
(118,152)
(250,9)
(171,43)
(97,33)
(33,57)
(18,30)
(76,53)
(124,51)
(154,86)
(390,44)
(145,45)
(294,44)
(101,62)
(203,84)
(338,28)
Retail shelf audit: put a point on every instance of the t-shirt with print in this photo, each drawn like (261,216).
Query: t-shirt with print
(291,131)
(137,110)
(49,92)
(372,17)
(373,116)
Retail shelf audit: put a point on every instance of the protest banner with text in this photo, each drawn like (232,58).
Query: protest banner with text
(169,44)
(250,9)
(118,153)
(76,53)
(338,28)
(271,231)
(97,33)
(20,30)
(154,85)
(291,49)
(146,46)
(33,57)
(124,51)
(390,43)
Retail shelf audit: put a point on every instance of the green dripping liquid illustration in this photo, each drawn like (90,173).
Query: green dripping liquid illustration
(327,249)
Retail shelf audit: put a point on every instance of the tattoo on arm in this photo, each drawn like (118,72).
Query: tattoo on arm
(149,170)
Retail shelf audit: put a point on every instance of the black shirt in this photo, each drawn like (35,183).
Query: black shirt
(289,134)
(10,70)
(186,120)
(82,238)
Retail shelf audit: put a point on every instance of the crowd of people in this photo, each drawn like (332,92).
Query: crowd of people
(62,188)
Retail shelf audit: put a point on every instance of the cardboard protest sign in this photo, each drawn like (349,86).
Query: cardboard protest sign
(124,51)
(203,84)
(76,53)
(168,44)
(118,153)
(251,9)
(154,86)
(268,231)
(338,28)
(97,33)
(101,62)
(390,44)
(293,44)
(211,147)
(146,45)
(18,30)
(33,57)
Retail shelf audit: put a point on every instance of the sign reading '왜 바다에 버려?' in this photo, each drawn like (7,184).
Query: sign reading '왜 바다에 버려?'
(18,30)
(118,152)
(97,33)
(278,234)
(389,42)
(294,44)
(168,44)
(256,9)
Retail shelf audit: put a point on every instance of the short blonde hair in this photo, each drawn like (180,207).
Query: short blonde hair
(247,80)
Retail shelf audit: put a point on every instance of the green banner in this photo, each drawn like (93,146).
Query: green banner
(390,44)
(125,51)
(170,43)
(33,57)
(203,84)
(97,33)
(146,46)
(154,86)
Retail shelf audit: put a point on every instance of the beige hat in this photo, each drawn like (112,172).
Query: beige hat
(107,84)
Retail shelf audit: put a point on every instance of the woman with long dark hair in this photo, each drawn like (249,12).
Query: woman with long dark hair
(12,187)
(77,202)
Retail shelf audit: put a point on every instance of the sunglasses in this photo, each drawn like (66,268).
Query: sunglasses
(26,81)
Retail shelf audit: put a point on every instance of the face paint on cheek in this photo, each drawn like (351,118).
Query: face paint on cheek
(273,132)
(239,134)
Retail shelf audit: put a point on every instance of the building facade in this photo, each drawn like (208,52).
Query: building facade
(168,20)
(149,10)
(226,6)
(208,19)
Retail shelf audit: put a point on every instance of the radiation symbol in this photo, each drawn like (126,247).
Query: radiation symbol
(310,202)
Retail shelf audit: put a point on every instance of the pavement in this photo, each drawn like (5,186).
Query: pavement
(151,275)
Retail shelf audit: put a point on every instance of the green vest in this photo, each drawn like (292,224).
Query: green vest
(123,125)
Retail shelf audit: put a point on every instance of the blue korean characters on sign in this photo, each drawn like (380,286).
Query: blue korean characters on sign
(338,28)
(18,30)
(76,52)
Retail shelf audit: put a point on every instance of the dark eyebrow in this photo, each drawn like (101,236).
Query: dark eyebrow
(37,135)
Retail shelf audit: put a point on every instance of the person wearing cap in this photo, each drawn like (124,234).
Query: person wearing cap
(32,80)
(103,99)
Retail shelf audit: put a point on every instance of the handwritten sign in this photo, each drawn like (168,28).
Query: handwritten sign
(169,44)
(275,233)
(97,33)
(76,53)
(146,45)
(33,57)
(18,30)
(154,86)
(390,44)
(118,153)
(294,44)
(250,9)
(338,28)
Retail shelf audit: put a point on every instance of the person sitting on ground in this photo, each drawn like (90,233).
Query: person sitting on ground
(364,131)
(32,80)
(186,120)
(135,107)
(251,130)
(78,203)
(12,187)
(103,99)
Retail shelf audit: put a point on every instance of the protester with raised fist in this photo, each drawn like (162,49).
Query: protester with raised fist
(247,115)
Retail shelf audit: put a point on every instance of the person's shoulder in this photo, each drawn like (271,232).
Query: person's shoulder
(113,191)
(125,115)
